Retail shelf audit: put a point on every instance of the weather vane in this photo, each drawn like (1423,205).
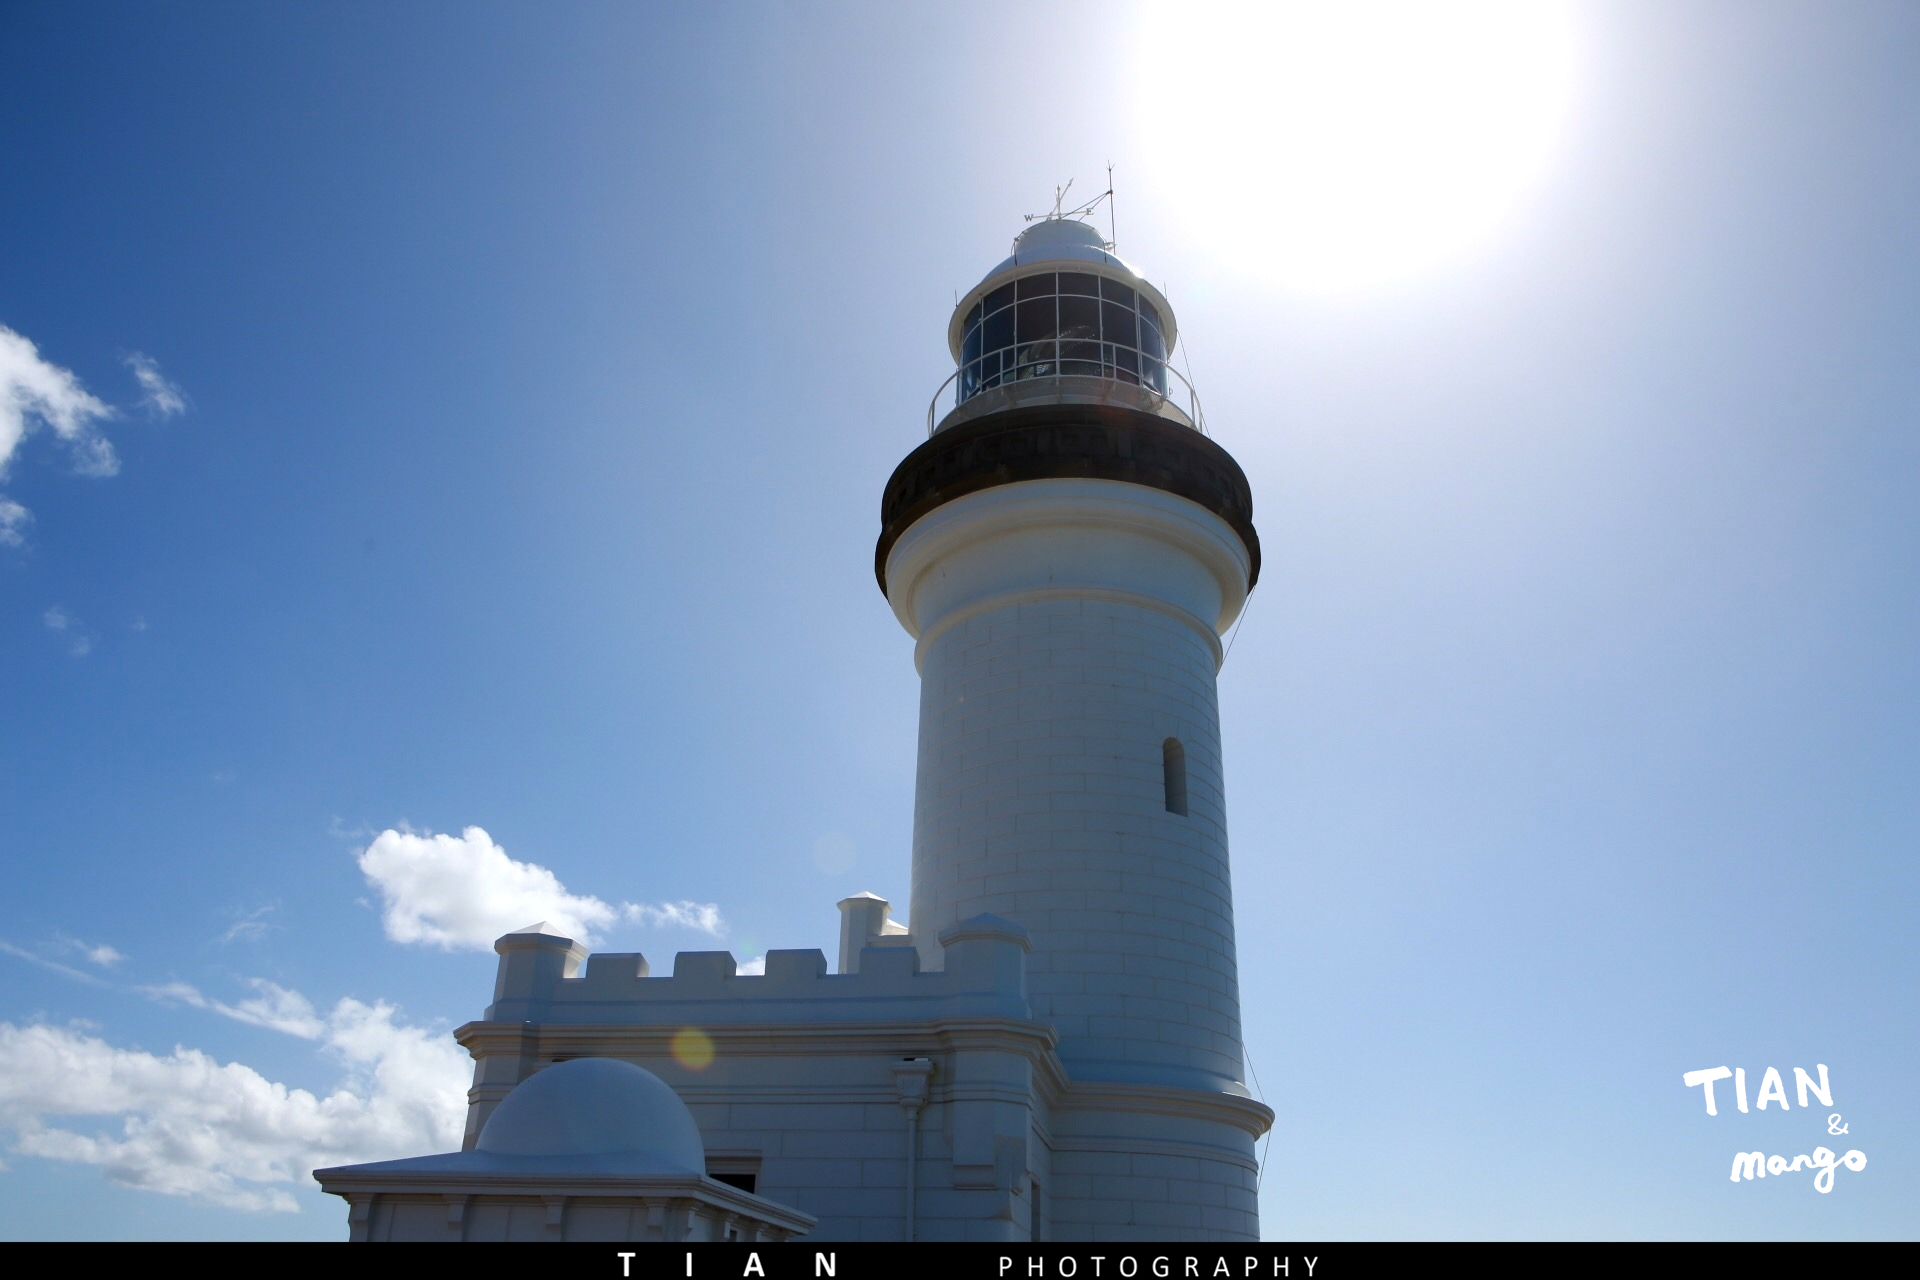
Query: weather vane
(1081,211)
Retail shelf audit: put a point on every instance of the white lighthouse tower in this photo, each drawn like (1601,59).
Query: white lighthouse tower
(1067,548)
(1049,1049)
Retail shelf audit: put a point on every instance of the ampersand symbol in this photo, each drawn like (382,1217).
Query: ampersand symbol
(1834,1126)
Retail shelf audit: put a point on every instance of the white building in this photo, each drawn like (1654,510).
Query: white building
(1049,1048)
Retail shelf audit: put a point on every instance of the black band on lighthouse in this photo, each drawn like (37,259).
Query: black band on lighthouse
(1066,441)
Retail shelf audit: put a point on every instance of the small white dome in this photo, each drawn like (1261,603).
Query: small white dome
(595,1106)
(1058,240)
(1062,235)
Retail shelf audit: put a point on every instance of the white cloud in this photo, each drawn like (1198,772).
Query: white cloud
(278,1009)
(94,456)
(53,966)
(701,916)
(95,953)
(79,638)
(221,1132)
(754,968)
(272,1006)
(252,926)
(159,396)
(464,891)
(454,892)
(14,520)
(33,391)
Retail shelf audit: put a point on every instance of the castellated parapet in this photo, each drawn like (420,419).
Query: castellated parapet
(547,978)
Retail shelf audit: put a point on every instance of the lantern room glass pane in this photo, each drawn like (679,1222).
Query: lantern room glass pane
(1081,283)
(973,316)
(997,332)
(1114,291)
(1079,317)
(998,298)
(1081,358)
(1036,320)
(1116,324)
(1036,360)
(1150,343)
(1040,286)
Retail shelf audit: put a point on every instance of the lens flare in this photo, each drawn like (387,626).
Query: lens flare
(693,1048)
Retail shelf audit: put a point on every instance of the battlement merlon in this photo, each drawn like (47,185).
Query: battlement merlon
(865,922)
(532,959)
(545,977)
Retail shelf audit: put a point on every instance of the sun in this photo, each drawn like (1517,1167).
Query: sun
(1367,140)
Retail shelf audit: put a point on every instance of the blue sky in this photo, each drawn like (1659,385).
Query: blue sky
(519,385)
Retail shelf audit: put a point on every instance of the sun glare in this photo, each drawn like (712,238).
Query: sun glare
(1369,139)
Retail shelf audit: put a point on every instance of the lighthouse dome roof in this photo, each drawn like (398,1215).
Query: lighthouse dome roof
(1060,240)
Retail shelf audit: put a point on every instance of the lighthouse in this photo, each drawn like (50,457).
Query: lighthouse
(1067,549)
(1048,1047)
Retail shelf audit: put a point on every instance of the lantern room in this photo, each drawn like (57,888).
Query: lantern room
(1062,320)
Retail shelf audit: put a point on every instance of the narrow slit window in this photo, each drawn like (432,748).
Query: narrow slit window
(1173,761)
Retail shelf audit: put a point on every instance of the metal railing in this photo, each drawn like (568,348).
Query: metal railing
(1128,386)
